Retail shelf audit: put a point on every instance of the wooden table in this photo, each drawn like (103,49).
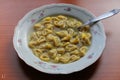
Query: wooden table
(12,68)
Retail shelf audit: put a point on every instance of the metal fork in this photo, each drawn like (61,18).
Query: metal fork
(101,17)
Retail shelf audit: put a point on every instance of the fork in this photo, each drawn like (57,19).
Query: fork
(101,17)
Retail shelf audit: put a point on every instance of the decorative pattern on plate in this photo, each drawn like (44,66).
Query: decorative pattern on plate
(90,56)
(42,13)
(46,66)
(33,20)
(68,9)
(20,41)
(95,31)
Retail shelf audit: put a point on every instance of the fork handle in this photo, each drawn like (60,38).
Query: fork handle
(103,16)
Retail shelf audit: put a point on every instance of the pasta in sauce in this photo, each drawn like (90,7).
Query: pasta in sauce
(56,40)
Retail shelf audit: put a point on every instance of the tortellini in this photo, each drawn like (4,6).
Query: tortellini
(44,57)
(55,39)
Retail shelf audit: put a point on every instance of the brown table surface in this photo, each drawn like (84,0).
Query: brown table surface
(12,68)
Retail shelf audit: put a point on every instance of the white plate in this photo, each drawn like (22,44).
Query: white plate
(25,27)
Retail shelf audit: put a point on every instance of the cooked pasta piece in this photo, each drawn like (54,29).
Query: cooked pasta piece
(75,40)
(44,57)
(78,24)
(38,26)
(70,24)
(62,33)
(73,23)
(65,44)
(55,19)
(47,31)
(83,50)
(56,41)
(49,26)
(46,45)
(83,35)
(71,31)
(53,53)
(40,40)
(37,52)
(32,44)
(39,33)
(75,52)
(88,35)
(47,19)
(57,58)
(61,50)
(74,58)
(65,58)
(62,17)
(61,24)
(50,37)
(66,38)
(70,47)
(34,37)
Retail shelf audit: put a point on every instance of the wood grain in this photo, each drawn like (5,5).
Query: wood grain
(12,68)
